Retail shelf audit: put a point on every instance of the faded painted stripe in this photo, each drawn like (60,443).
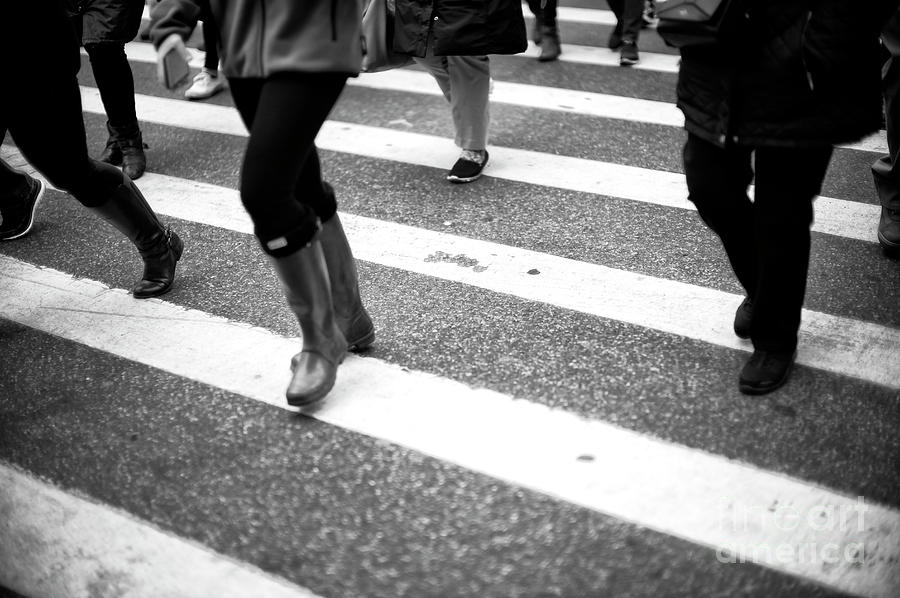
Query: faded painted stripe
(841,345)
(843,218)
(780,522)
(61,544)
(536,96)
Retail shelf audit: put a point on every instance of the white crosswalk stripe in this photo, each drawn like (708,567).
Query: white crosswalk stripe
(533,96)
(584,462)
(59,541)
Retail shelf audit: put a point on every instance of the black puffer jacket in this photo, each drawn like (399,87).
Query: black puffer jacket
(800,73)
(460,27)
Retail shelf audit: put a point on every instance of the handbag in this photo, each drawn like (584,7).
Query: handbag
(684,23)
(378,39)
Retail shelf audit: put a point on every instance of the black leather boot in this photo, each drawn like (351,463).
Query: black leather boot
(160,248)
(351,316)
(134,161)
(304,279)
(550,49)
(111,154)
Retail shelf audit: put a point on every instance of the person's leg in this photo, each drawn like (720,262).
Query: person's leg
(886,170)
(283,115)
(615,36)
(550,44)
(211,43)
(208,82)
(787,182)
(465,82)
(116,84)
(624,37)
(438,68)
(535,7)
(352,318)
(470,85)
(718,180)
(50,70)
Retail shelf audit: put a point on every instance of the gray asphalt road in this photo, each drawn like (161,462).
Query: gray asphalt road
(343,513)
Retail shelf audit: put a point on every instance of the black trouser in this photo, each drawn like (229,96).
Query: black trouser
(547,13)
(767,240)
(52,140)
(115,82)
(629,17)
(281,179)
(886,169)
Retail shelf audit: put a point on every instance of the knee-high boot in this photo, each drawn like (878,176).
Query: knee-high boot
(351,316)
(160,248)
(304,279)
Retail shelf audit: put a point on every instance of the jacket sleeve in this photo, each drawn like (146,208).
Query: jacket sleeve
(841,40)
(173,16)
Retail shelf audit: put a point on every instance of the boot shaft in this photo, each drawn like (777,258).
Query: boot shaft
(306,286)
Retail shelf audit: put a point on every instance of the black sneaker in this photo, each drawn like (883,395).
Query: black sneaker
(18,214)
(742,318)
(467,170)
(628,53)
(766,371)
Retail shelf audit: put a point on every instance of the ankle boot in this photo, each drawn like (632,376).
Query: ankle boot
(352,318)
(111,153)
(550,49)
(160,248)
(134,161)
(304,280)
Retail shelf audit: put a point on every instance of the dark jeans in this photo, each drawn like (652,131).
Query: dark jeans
(547,13)
(767,240)
(629,17)
(886,170)
(52,140)
(281,179)
(115,82)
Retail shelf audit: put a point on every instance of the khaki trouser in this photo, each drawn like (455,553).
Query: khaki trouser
(465,82)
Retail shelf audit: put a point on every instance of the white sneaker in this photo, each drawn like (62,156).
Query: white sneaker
(205,85)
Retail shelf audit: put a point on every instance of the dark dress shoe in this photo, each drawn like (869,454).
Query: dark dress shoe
(766,371)
(742,318)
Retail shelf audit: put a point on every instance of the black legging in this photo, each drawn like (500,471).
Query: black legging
(210,38)
(281,180)
(52,140)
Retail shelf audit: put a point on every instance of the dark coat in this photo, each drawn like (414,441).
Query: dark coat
(261,37)
(460,27)
(103,21)
(798,73)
